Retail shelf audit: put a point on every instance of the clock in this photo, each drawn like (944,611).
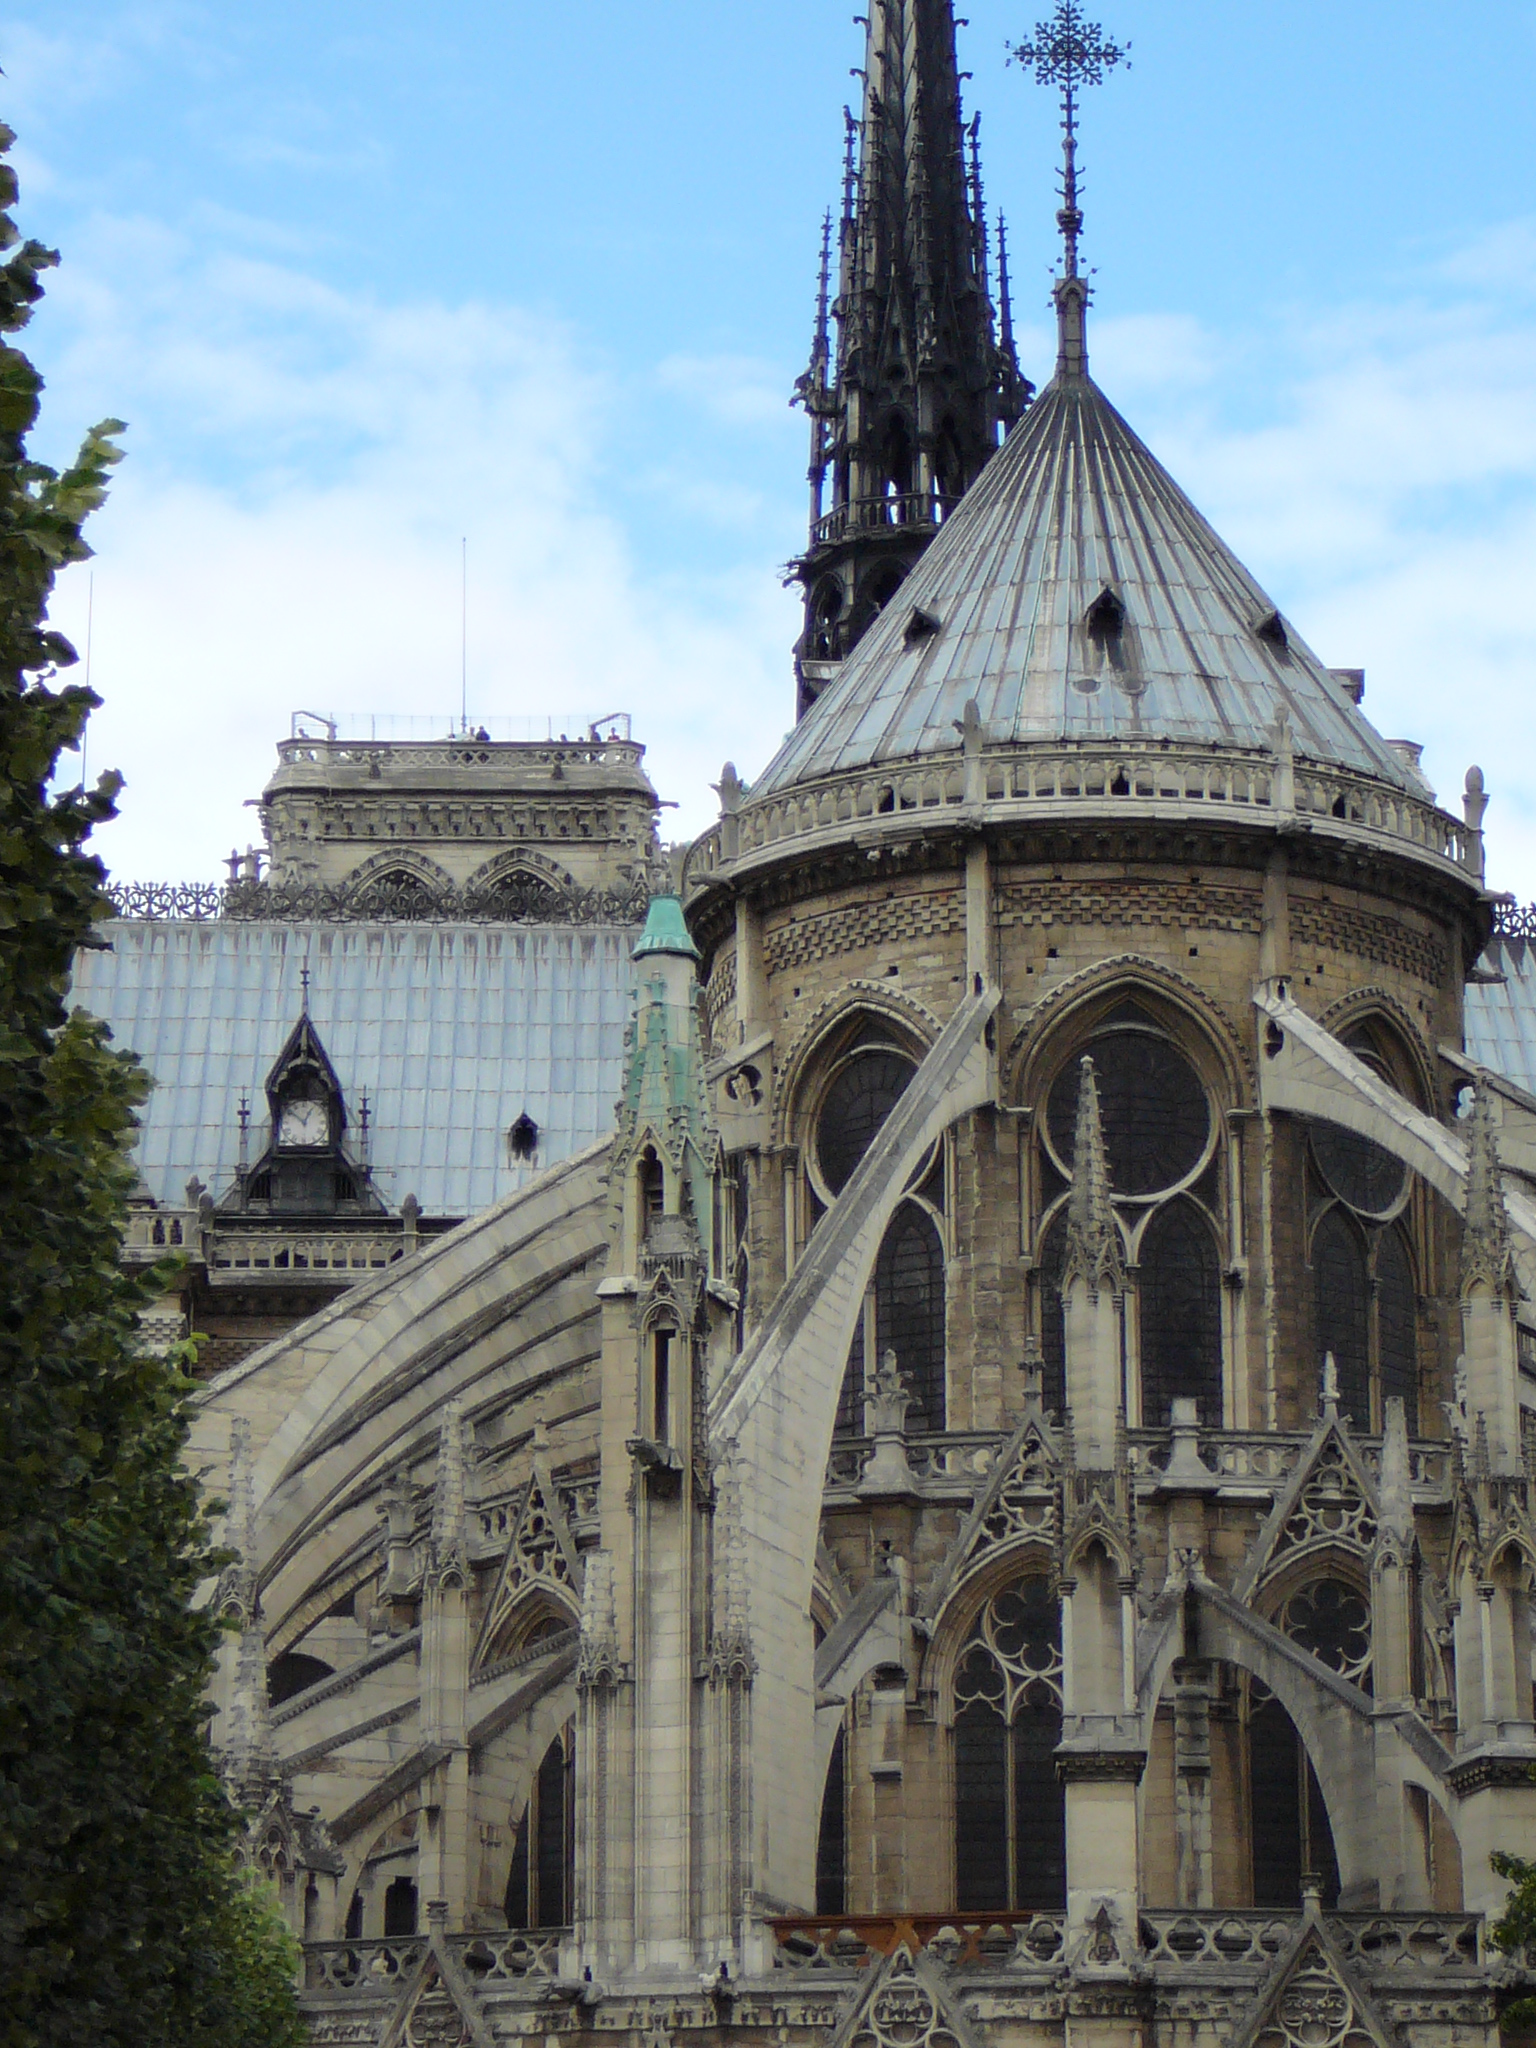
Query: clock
(305,1122)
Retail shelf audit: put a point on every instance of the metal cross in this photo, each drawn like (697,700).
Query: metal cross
(1069,51)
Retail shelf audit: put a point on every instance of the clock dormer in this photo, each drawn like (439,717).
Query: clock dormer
(308,1168)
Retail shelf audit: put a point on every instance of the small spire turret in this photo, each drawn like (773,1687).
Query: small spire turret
(907,408)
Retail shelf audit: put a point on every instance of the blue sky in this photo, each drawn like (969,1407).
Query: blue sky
(368,278)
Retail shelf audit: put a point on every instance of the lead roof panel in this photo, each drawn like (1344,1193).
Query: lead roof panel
(1075,504)
(452,1032)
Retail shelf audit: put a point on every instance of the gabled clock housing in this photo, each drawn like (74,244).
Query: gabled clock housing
(307,1168)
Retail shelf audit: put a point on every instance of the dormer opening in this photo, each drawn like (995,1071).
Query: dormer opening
(1105,623)
(652,1185)
(523,1138)
(1270,628)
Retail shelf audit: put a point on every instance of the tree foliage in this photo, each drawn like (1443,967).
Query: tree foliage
(122,1915)
(1514,1932)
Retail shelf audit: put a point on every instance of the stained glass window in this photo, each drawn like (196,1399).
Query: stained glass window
(909,1311)
(1157,1121)
(1342,1287)
(1358,1171)
(1010,1813)
(1290,1834)
(1180,1296)
(541,1883)
(862,1095)
(1397,1324)
(832,1836)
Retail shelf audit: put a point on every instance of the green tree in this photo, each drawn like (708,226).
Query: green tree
(122,1915)
(1514,1932)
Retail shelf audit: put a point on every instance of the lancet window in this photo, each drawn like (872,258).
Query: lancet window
(1365,1297)
(1162,1141)
(904,1308)
(1010,1814)
(541,1885)
(1290,1832)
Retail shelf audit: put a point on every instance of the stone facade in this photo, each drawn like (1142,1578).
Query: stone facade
(993,1507)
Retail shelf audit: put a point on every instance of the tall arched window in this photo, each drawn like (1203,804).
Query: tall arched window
(1180,1301)
(1010,1812)
(909,1311)
(1160,1141)
(1342,1285)
(1366,1298)
(1290,1832)
(832,1835)
(904,1310)
(541,1884)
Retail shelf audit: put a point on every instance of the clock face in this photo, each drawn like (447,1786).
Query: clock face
(304,1123)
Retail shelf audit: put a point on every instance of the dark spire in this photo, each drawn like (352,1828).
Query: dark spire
(906,409)
(1070,52)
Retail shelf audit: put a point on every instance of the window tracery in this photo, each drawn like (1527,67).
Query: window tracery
(1010,1817)
(904,1310)
(1162,1141)
(1365,1295)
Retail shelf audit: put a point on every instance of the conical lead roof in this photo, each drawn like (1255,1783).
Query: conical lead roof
(1077,594)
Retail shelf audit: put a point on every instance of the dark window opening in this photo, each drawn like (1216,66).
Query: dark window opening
(832,1835)
(1291,1837)
(1010,1807)
(653,1191)
(354,1927)
(400,1907)
(1332,1620)
(909,1311)
(1342,1290)
(293,1673)
(661,1384)
(850,1398)
(346,1187)
(523,1138)
(1179,1291)
(1397,1326)
(541,1883)
(862,1095)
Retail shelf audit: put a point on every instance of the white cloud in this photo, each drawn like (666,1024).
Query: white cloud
(303,461)
(286,534)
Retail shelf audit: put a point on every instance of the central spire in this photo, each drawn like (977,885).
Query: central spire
(907,403)
(1070,52)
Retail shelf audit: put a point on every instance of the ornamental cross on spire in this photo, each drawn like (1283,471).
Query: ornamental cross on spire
(1071,52)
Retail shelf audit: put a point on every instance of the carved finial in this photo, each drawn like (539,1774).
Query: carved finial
(1396,1471)
(1330,1384)
(730,789)
(1485,1255)
(1071,52)
(1093,1237)
(447,1544)
(1032,1366)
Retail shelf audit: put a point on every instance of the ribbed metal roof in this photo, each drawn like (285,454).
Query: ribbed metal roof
(1501,1016)
(1074,504)
(452,1031)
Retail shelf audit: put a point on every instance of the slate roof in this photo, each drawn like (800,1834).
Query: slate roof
(1074,504)
(453,1031)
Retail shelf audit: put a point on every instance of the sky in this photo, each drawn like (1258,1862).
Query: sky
(392,296)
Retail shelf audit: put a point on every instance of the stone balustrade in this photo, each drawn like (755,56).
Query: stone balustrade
(981,1940)
(958,1462)
(306,1251)
(1090,781)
